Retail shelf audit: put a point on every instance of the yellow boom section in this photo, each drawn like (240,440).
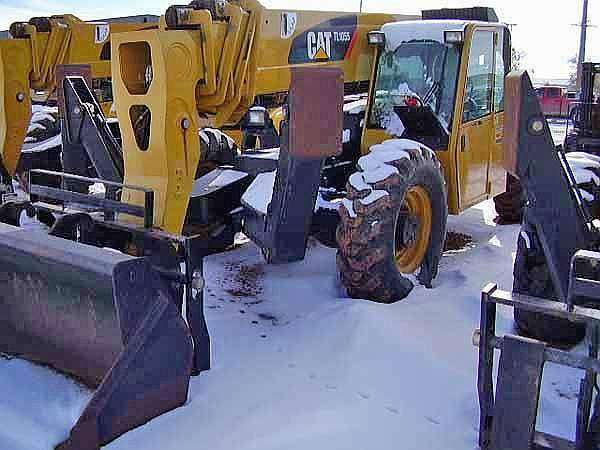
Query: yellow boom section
(204,67)
(28,64)
(15,100)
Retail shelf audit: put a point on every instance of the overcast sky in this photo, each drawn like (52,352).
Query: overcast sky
(544,29)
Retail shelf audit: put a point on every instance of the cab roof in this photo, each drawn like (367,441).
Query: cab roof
(398,32)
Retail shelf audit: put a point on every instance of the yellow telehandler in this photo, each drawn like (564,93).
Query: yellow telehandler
(423,142)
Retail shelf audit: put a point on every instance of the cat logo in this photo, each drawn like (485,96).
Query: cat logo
(318,45)
(331,40)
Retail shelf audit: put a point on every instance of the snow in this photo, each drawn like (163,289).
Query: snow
(379,174)
(394,125)
(374,164)
(298,365)
(332,205)
(587,196)
(33,126)
(259,194)
(226,177)
(593,160)
(581,169)
(415,30)
(265,153)
(31,223)
(97,189)
(357,181)
(54,141)
(356,107)
(393,149)
(349,207)
(41,407)
(44,108)
(43,115)
(373,197)
(346,136)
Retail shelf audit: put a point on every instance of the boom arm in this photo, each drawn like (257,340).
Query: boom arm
(28,63)
(203,66)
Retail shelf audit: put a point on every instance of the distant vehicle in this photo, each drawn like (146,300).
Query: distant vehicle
(556,101)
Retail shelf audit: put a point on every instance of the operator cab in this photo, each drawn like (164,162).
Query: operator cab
(441,82)
(415,84)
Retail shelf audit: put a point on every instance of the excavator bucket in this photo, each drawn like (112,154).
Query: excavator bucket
(106,318)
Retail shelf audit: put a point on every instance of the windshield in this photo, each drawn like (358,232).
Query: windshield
(421,72)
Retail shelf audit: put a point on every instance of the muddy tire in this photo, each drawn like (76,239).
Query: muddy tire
(509,204)
(531,272)
(392,222)
(532,277)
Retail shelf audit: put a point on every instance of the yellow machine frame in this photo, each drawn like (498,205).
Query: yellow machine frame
(28,64)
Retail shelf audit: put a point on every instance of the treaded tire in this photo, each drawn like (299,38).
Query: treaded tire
(366,233)
(531,272)
(510,203)
(532,277)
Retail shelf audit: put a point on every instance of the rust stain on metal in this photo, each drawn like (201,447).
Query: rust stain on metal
(318,101)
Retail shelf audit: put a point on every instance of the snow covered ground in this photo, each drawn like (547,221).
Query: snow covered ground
(297,365)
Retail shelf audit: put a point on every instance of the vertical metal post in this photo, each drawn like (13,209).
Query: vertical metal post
(149,209)
(485,385)
(194,310)
(582,39)
(586,391)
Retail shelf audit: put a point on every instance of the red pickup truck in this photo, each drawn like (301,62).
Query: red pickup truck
(556,101)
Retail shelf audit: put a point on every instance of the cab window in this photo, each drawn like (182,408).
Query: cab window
(553,92)
(480,76)
(500,72)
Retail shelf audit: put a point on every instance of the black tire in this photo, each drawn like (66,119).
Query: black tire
(532,277)
(42,129)
(509,204)
(324,225)
(366,234)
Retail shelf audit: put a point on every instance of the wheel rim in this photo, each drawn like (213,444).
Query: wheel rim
(413,230)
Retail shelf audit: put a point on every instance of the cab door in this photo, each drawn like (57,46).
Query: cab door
(477,125)
(497,173)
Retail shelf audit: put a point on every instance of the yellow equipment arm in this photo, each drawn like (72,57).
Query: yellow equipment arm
(203,66)
(28,64)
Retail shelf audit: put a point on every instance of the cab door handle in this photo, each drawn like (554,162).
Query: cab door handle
(463,143)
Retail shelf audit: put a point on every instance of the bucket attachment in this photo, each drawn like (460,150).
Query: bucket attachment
(109,319)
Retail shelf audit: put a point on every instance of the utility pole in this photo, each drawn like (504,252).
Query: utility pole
(582,39)
(360,10)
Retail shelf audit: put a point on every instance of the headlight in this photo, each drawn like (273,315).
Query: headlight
(197,280)
(256,117)
(454,37)
(376,38)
